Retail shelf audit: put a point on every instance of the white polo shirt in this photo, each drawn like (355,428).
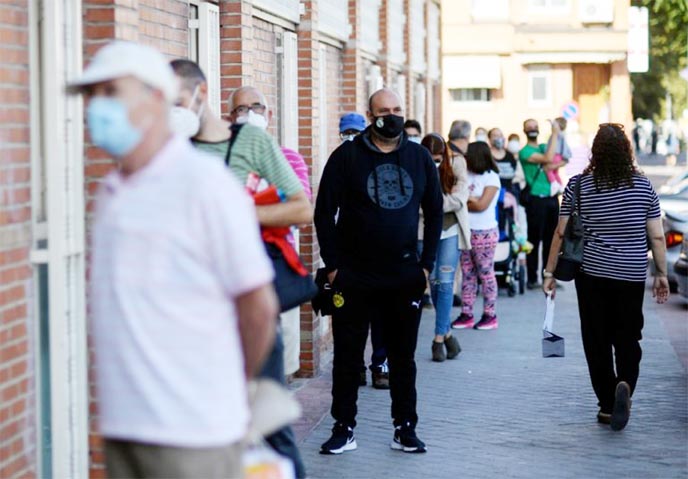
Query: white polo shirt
(173,246)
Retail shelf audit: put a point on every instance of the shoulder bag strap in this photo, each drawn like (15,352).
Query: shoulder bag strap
(535,177)
(235,128)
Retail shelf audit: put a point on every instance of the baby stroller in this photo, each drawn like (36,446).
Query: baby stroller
(509,270)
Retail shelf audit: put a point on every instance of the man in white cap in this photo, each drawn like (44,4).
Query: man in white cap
(181,289)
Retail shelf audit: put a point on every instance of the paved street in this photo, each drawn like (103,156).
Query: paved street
(501,410)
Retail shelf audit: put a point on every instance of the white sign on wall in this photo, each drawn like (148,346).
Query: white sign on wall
(638,40)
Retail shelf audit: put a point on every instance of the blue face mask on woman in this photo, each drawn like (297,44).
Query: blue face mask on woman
(110,128)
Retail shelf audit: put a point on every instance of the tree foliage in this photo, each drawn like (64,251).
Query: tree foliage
(668,24)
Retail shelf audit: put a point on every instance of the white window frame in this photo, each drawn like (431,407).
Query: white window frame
(549,8)
(485,95)
(418,33)
(434,40)
(207,53)
(396,25)
(544,72)
(289,10)
(289,119)
(333,19)
(370,26)
(57,128)
(322,107)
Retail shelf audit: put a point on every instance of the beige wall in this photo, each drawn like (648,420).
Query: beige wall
(522,38)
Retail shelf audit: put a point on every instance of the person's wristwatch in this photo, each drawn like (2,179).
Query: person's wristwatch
(546,274)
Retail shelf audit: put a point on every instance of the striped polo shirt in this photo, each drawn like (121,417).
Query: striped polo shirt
(615,222)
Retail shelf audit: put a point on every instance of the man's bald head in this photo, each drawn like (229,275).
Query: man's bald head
(384,102)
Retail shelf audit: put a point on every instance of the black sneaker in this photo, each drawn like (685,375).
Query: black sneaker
(342,439)
(405,439)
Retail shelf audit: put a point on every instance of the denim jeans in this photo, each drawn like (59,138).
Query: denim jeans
(442,282)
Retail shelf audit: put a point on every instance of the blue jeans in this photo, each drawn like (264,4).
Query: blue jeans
(442,282)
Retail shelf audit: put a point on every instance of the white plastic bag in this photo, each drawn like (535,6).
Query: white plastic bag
(552,345)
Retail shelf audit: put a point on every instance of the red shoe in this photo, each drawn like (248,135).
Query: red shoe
(487,322)
(463,322)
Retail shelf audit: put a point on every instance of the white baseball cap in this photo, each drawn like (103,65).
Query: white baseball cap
(120,59)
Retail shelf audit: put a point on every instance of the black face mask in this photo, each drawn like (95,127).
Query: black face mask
(388,126)
(532,134)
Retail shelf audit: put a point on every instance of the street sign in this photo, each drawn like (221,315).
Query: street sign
(638,40)
(570,110)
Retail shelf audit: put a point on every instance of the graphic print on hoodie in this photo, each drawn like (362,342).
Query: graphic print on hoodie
(376,197)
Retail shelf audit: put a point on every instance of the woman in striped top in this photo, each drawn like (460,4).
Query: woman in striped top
(620,212)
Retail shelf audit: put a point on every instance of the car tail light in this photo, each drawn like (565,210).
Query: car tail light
(673,238)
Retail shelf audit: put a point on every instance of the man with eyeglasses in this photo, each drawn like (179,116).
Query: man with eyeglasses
(251,150)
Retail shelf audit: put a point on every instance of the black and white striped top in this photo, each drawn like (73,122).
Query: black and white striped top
(615,222)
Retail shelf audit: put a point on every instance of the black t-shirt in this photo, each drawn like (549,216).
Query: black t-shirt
(507,170)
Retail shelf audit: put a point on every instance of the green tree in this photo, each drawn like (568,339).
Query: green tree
(668,25)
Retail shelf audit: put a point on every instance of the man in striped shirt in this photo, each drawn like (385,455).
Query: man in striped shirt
(252,151)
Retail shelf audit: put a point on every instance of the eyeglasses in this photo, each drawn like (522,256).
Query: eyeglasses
(613,125)
(244,109)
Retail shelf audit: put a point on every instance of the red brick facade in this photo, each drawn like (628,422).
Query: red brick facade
(331,78)
(17,350)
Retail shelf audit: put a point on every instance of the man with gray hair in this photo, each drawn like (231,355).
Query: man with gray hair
(459,136)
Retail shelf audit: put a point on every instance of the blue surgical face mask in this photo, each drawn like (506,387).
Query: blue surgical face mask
(111,130)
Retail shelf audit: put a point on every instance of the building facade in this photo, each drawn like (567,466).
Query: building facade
(314,60)
(508,60)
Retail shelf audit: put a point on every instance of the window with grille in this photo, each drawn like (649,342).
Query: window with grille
(470,94)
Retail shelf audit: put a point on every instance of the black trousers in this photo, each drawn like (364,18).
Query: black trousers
(543,216)
(283,440)
(611,313)
(398,311)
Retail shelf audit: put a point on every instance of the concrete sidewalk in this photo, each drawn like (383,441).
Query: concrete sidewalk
(501,410)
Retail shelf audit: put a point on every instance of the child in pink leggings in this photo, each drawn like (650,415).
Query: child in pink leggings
(478,262)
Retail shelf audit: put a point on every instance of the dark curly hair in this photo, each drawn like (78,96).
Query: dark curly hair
(436,145)
(611,163)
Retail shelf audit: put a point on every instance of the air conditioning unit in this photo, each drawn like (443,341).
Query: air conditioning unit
(596,11)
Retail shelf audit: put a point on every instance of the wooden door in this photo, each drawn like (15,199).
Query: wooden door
(591,92)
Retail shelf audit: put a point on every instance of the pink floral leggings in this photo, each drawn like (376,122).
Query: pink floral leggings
(479,262)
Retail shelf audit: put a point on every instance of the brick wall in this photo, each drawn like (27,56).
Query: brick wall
(17,349)
(264,64)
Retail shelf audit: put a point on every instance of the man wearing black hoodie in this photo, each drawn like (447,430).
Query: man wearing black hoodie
(375,186)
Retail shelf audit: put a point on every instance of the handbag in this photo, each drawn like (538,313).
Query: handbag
(292,287)
(571,252)
(525,196)
(293,284)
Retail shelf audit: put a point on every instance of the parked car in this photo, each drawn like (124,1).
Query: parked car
(675,222)
(674,184)
(681,269)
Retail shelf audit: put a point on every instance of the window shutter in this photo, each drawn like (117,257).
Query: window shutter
(209,51)
(290,93)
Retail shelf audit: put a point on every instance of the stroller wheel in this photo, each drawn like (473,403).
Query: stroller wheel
(512,289)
